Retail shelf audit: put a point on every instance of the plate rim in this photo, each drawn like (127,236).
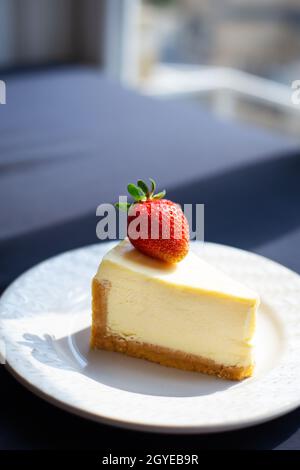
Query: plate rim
(145,427)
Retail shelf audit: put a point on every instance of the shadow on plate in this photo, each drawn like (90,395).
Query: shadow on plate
(119,371)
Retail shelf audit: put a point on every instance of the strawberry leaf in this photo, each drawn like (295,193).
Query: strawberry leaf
(136,192)
(143,187)
(153,186)
(159,195)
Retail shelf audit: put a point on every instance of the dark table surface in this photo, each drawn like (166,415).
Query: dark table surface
(70,140)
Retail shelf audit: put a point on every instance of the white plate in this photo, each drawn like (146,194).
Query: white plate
(45,322)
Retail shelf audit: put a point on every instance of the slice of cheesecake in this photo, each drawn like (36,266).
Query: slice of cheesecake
(187,315)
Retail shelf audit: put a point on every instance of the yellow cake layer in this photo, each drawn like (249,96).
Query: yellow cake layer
(190,310)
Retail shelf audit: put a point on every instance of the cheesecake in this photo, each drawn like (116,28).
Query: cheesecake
(187,315)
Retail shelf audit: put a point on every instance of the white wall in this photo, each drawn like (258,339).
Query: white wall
(120,39)
(34,31)
(94,31)
(7,45)
(44,29)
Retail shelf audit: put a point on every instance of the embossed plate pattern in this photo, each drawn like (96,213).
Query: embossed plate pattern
(45,320)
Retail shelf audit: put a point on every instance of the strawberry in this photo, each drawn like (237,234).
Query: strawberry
(156,226)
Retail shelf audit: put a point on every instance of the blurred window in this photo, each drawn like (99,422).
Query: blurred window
(261,37)
(238,57)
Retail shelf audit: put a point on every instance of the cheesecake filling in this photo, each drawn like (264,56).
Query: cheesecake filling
(142,307)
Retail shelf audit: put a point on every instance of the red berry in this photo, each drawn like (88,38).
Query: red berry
(157,227)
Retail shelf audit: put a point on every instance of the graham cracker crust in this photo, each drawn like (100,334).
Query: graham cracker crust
(102,339)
